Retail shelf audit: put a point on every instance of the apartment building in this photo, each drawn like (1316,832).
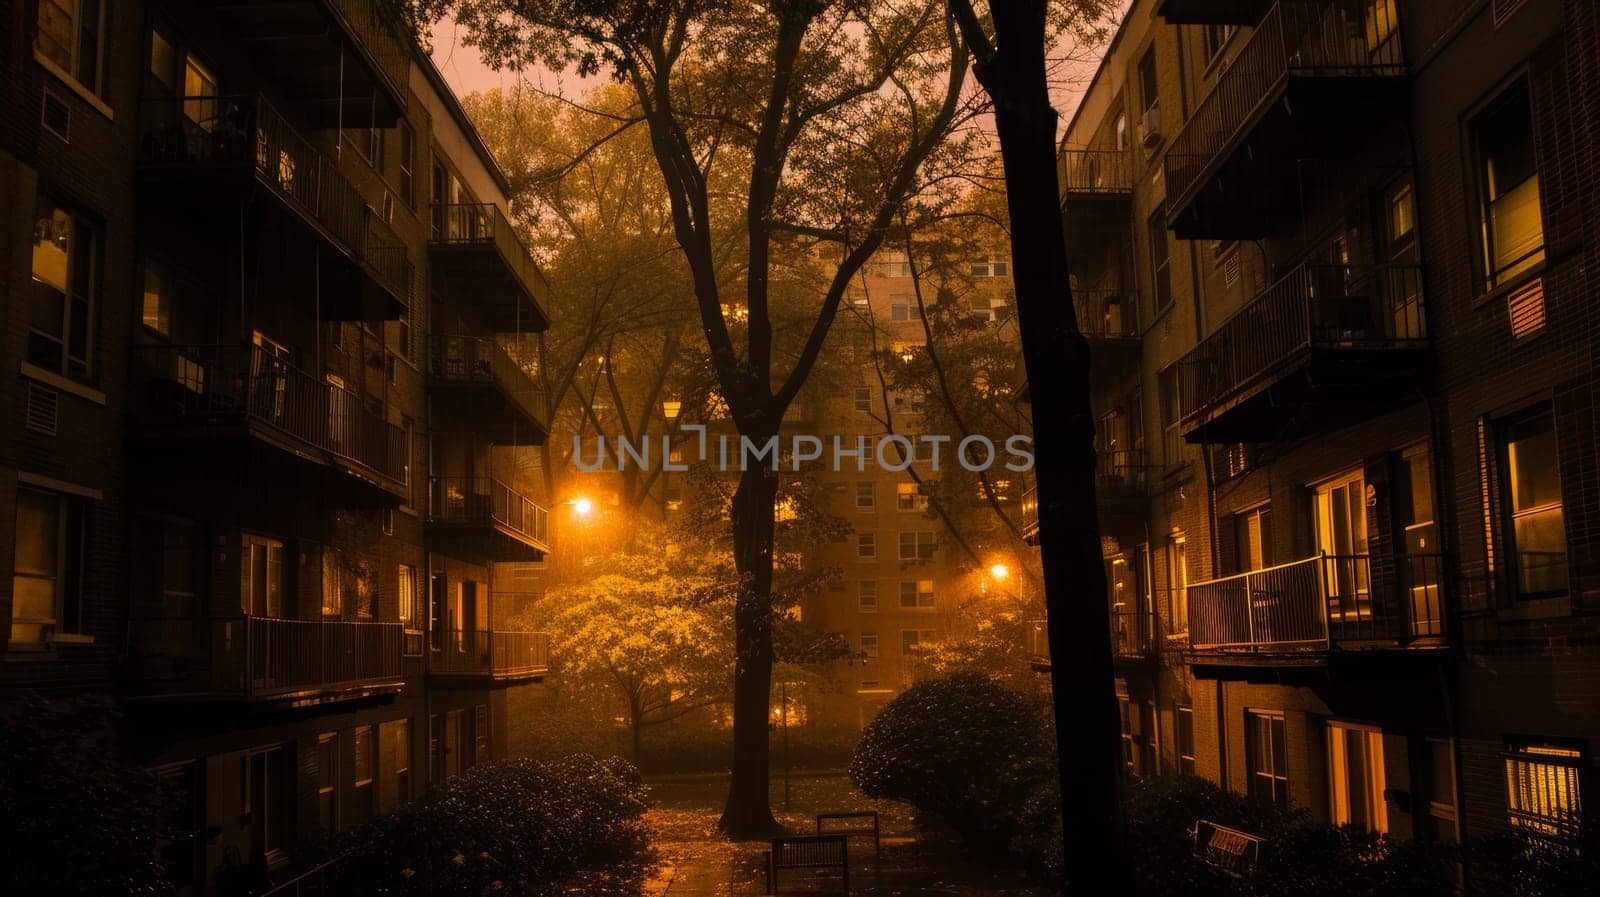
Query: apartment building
(260,453)
(904,580)
(1358,382)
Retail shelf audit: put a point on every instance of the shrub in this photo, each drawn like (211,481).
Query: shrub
(963,751)
(78,820)
(522,828)
(1515,865)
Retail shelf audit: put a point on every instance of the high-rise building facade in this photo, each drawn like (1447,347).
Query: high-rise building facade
(264,310)
(1357,385)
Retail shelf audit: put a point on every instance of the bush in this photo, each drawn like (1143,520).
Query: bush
(521,828)
(1514,865)
(962,750)
(78,820)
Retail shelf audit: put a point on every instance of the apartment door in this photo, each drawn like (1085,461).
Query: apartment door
(268,392)
(1341,522)
(1422,563)
(452,744)
(341,414)
(1355,777)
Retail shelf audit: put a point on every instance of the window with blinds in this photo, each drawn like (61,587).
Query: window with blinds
(1543,793)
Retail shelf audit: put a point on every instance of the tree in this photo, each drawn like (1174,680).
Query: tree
(829,111)
(650,634)
(1009,47)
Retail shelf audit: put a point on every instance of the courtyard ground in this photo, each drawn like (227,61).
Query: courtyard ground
(698,862)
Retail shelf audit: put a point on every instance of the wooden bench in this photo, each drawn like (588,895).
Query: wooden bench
(808,852)
(847,824)
(1227,849)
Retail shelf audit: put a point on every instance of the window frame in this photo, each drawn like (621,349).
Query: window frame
(1276,776)
(89,296)
(1491,279)
(1529,754)
(66,580)
(72,72)
(867,589)
(1183,739)
(866,546)
(922,549)
(1509,514)
(922,594)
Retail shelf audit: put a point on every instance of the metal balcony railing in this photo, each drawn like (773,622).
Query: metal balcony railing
(1326,38)
(1132,633)
(1121,473)
(198,386)
(1107,314)
(492,652)
(1313,306)
(483,224)
(267,657)
(1102,171)
(245,130)
(366,19)
(475,359)
(1315,602)
(486,500)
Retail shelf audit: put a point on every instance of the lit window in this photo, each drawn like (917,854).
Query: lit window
(915,594)
(71,37)
(909,497)
(407,587)
(47,566)
(1267,755)
(1532,490)
(1356,777)
(1513,235)
(1542,790)
(65,283)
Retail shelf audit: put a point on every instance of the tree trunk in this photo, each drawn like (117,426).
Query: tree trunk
(638,738)
(1088,728)
(748,813)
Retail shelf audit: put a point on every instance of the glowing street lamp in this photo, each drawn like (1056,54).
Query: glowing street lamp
(582,507)
(670,409)
(999,571)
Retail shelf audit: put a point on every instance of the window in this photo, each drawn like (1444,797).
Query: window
(896,264)
(363,802)
(909,497)
(993,266)
(1129,751)
(1216,37)
(71,40)
(911,638)
(407,588)
(332,582)
(869,644)
(65,283)
(866,496)
(260,576)
(1178,582)
(1543,792)
(163,60)
(156,308)
(480,734)
(1267,756)
(1356,778)
(1185,736)
(407,139)
(905,311)
(394,763)
(1148,91)
(200,106)
(265,792)
(866,546)
(867,596)
(1252,539)
(1121,128)
(917,545)
(1341,534)
(1160,258)
(371,143)
(1532,493)
(1442,824)
(328,781)
(48,565)
(1167,396)
(916,594)
(863,400)
(1508,183)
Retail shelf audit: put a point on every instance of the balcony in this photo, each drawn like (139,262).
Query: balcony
(483,518)
(270,660)
(1323,347)
(1312,81)
(214,152)
(338,58)
(1133,635)
(1300,613)
(488,392)
(478,257)
(1089,175)
(1212,12)
(208,397)
(1108,317)
(490,655)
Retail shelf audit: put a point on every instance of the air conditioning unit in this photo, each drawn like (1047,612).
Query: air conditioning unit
(1150,128)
